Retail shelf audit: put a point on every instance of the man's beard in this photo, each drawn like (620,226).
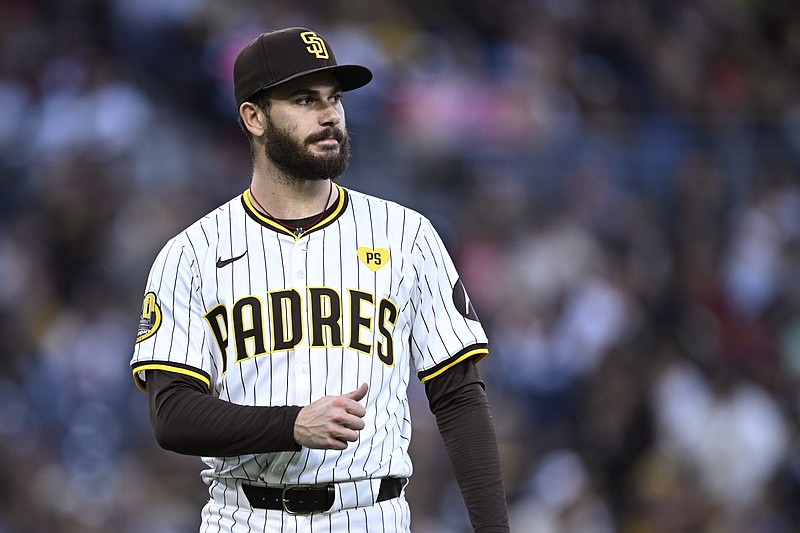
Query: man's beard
(295,160)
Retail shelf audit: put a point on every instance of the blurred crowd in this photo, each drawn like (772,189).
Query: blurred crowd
(617,180)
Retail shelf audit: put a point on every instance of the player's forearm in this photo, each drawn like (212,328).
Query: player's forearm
(186,420)
(466,426)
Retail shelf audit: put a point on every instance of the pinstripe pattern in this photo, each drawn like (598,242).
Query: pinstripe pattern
(247,328)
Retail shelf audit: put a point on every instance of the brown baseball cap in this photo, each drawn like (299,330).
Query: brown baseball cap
(282,55)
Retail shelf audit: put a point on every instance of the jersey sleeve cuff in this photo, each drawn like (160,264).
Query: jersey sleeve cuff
(168,366)
(478,351)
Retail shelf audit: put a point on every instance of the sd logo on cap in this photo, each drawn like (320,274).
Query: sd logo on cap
(279,56)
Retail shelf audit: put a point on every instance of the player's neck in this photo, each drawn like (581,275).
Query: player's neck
(292,199)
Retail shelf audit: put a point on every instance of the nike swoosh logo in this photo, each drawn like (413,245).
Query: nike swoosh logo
(225,262)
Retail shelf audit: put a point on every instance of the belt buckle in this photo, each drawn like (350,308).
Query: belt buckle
(285,501)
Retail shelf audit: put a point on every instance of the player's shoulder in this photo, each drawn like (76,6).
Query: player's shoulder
(205,232)
(363,201)
(220,216)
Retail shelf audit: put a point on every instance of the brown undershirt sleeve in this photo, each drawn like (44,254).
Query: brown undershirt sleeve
(187,420)
(458,401)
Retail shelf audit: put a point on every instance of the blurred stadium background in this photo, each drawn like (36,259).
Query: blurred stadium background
(618,181)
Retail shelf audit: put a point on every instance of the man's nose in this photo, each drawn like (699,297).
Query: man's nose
(329,116)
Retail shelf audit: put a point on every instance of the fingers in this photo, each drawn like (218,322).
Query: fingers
(334,434)
(352,413)
(344,435)
(358,394)
(351,402)
(354,420)
(332,421)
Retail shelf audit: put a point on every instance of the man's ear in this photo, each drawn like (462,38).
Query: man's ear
(252,118)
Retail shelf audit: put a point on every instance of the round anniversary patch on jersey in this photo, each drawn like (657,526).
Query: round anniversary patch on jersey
(462,301)
(150,319)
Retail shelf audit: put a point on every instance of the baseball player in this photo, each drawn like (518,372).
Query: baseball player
(279,332)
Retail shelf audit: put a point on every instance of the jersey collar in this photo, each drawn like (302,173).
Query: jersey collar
(331,214)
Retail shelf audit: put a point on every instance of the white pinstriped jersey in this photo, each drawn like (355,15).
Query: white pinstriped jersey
(266,317)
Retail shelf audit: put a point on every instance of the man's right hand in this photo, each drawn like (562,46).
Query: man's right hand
(332,421)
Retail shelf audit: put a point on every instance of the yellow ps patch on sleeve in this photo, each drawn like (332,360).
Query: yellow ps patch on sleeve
(150,320)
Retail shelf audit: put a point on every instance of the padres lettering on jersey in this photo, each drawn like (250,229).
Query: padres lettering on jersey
(281,313)
(266,317)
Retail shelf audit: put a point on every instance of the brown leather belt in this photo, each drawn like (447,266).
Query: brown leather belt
(303,499)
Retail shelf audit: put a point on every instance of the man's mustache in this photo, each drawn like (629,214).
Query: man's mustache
(327,133)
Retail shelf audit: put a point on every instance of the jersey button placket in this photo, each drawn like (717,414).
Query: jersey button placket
(301,352)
